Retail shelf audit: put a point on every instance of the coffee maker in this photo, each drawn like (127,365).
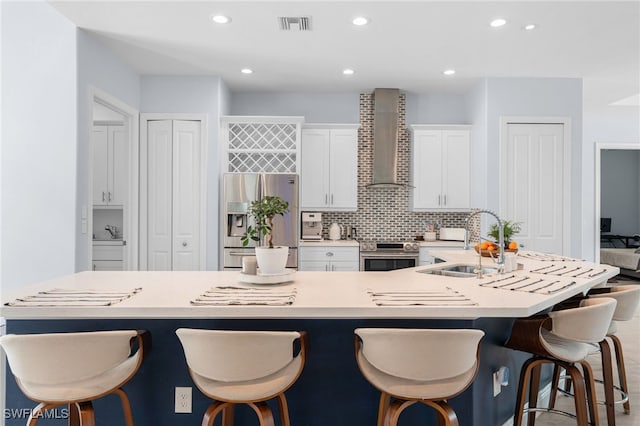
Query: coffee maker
(311,226)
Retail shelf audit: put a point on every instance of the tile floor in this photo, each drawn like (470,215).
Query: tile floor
(629,334)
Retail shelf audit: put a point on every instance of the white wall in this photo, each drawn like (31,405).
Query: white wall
(437,108)
(196,94)
(620,193)
(39,119)
(314,107)
(602,124)
(100,68)
(544,97)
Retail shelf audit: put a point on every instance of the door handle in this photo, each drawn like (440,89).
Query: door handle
(184,244)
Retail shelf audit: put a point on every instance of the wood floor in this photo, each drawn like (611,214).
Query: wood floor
(629,334)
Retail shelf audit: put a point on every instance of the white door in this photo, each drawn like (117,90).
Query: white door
(173,195)
(534,184)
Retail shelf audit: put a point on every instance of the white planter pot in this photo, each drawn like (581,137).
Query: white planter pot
(272,261)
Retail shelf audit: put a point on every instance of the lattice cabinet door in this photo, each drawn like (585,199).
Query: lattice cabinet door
(261,144)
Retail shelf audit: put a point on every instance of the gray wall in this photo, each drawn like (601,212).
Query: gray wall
(195,94)
(620,190)
(437,108)
(39,119)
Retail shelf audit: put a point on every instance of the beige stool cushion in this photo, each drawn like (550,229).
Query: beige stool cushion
(61,367)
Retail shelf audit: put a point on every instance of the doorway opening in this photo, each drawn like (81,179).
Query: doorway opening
(622,212)
(113,190)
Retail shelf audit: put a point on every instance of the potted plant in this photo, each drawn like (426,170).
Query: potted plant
(271,260)
(509,229)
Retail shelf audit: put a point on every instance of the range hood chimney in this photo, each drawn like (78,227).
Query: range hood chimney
(385,138)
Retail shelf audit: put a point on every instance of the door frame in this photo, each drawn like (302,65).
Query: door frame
(566,172)
(144,119)
(130,210)
(599,147)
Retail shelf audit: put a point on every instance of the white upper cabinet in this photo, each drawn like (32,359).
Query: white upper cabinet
(329,167)
(440,167)
(109,165)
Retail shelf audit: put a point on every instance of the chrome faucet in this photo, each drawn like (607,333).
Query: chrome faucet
(112,230)
(500,234)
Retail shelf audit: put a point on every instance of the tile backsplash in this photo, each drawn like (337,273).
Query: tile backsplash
(383,213)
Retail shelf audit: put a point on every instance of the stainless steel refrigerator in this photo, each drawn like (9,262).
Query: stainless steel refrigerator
(239,190)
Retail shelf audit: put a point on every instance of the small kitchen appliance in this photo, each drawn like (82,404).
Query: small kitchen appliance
(311,226)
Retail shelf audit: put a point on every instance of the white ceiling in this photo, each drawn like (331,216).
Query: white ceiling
(407,45)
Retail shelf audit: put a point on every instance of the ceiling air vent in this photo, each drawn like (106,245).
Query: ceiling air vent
(295,23)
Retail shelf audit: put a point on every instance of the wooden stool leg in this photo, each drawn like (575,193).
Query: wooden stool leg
(385,400)
(622,373)
(607,378)
(525,374)
(126,406)
(228,414)
(87,415)
(555,383)
(590,387)
(580,397)
(213,411)
(263,412)
(534,388)
(34,416)
(283,408)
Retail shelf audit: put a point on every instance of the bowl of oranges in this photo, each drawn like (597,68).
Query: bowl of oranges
(491,249)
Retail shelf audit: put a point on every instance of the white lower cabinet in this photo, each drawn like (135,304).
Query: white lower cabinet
(107,257)
(328,258)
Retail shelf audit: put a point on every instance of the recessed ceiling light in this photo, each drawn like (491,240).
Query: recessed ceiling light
(498,22)
(348,71)
(360,21)
(449,72)
(246,71)
(220,19)
(530,27)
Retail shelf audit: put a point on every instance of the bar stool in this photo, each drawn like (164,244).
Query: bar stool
(75,368)
(243,367)
(417,365)
(628,299)
(562,338)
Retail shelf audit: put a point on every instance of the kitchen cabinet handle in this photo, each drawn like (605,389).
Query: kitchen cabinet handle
(445,200)
(438,200)
(103,196)
(326,199)
(332,199)
(326,268)
(184,244)
(329,254)
(333,268)
(109,195)
(238,253)
(94,266)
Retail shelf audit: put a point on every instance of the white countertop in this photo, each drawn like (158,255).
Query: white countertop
(329,243)
(319,294)
(441,243)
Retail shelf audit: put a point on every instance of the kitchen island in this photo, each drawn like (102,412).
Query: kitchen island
(328,306)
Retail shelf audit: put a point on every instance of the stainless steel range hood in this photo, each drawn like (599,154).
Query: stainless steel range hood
(385,138)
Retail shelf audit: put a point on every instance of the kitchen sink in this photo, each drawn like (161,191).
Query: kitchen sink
(459,270)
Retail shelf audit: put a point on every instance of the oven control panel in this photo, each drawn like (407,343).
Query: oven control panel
(399,247)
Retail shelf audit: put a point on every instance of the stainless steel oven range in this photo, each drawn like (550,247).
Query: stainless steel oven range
(387,256)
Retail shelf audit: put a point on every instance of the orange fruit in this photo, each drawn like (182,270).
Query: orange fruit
(485,245)
(513,245)
(492,247)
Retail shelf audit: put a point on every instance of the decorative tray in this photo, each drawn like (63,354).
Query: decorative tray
(261,279)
